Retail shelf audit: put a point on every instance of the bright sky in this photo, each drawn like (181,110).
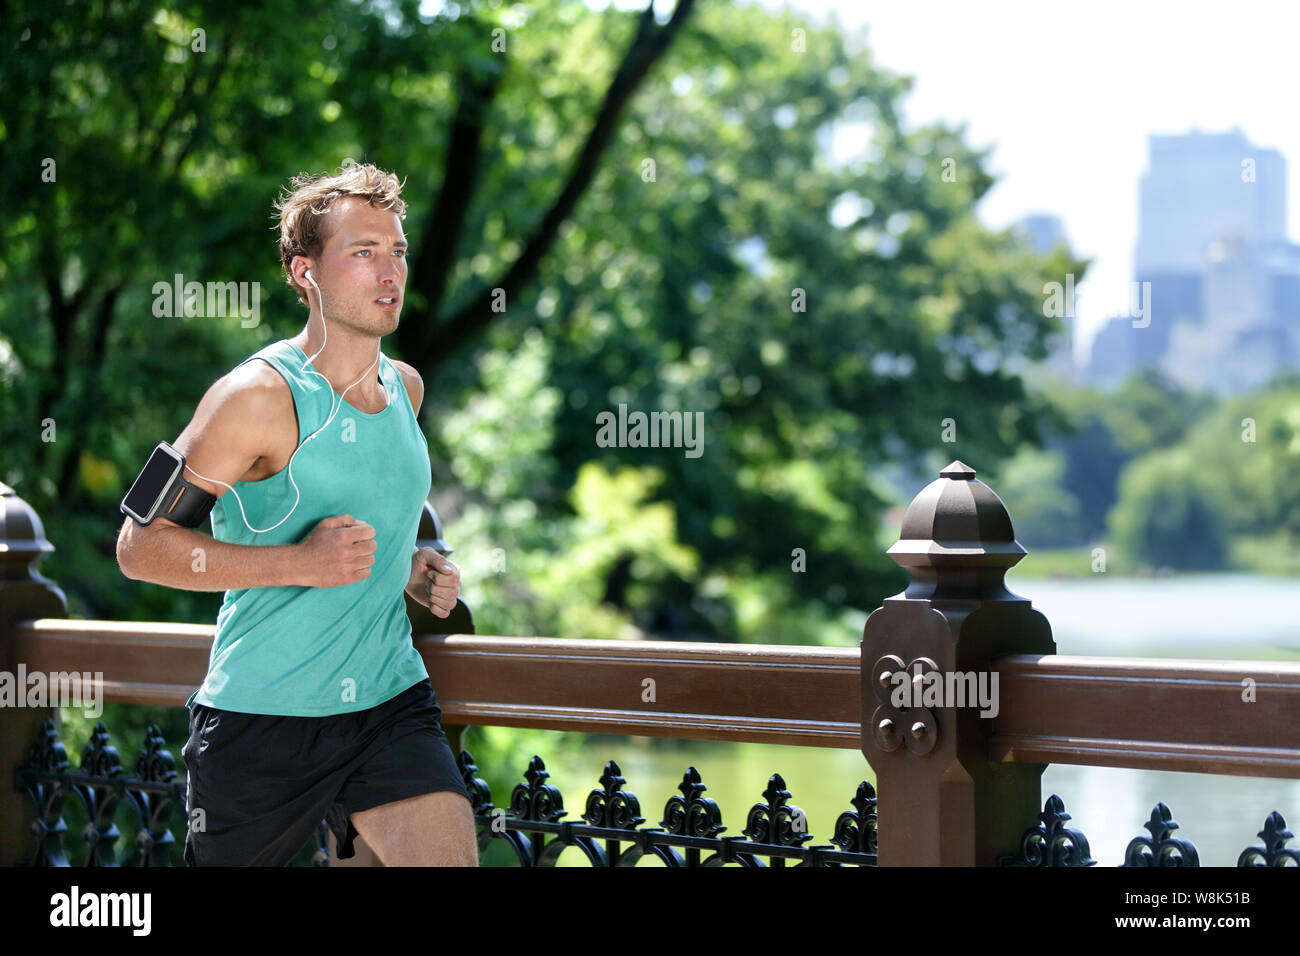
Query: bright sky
(1067,94)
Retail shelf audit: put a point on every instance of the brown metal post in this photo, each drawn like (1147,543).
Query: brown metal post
(24,595)
(942,801)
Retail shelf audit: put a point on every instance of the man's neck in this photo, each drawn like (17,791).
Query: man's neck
(345,358)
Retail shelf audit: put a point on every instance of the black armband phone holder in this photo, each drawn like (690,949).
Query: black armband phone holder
(162,491)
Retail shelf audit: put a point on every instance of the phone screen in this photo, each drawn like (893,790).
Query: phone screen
(157,475)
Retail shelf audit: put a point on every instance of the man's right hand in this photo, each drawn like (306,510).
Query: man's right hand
(340,550)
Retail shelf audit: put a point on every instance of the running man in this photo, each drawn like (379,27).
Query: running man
(315,704)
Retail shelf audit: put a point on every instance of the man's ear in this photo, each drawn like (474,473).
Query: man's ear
(299,266)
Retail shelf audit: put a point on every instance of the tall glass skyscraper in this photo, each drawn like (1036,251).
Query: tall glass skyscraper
(1224,280)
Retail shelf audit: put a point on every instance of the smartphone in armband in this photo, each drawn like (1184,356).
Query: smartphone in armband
(162,491)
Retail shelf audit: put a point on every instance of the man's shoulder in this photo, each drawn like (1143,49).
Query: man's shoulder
(253,380)
(408,372)
(244,415)
(250,389)
(411,379)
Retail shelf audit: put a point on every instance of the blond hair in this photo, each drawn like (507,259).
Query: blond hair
(302,209)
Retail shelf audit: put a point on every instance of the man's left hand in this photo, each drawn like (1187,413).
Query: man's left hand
(434,582)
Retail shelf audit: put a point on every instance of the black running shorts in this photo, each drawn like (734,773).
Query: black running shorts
(264,782)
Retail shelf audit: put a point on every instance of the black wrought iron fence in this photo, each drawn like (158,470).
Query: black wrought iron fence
(608,833)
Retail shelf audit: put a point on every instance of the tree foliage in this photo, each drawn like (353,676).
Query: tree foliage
(1166,516)
(653,199)
(1106,431)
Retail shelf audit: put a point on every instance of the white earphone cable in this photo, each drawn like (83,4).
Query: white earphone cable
(333,411)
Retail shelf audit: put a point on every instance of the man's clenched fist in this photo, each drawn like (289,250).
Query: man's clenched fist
(339,550)
(434,582)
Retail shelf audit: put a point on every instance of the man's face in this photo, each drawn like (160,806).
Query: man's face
(362,264)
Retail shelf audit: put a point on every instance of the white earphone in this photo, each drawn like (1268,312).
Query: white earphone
(333,411)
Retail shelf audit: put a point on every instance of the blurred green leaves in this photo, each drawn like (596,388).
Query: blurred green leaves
(824,312)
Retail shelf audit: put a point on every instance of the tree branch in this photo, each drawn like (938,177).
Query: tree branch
(179,103)
(102,320)
(646,48)
(437,245)
(213,81)
(63,314)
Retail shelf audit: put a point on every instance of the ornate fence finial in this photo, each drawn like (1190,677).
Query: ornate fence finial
(47,752)
(1274,852)
(22,538)
(152,762)
(99,756)
(1051,843)
(855,830)
(691,814)
(1160,849)
(537,799)
(480,795)
(778,821)
(613,806)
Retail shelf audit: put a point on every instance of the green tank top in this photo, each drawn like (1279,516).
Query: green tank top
(310,651)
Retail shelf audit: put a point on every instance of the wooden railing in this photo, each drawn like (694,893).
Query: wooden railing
(969,784)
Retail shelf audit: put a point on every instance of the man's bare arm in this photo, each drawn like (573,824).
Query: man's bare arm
(231,429)
(223,440)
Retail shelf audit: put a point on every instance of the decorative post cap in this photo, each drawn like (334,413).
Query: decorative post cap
(956,539)
(429,534)
(22,536)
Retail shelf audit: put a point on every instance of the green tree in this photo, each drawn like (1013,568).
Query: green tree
(1107,430)
(821,318)
(143,141)
(1044,513)
(1247,453)
(653,198)
(1166,517)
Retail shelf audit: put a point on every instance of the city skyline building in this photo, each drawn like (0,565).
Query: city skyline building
(1220,277)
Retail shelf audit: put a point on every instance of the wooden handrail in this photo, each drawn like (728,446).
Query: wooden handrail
(158,664)
(804,696)
(1142,713)
(1150,714)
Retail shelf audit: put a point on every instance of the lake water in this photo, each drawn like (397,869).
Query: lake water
(1215,616)
(1207,616)
(1220,616)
